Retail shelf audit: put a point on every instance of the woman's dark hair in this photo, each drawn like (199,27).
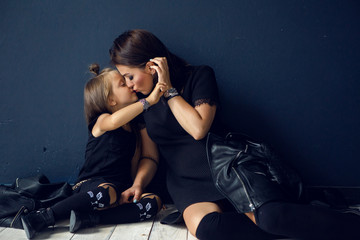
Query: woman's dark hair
(134,48)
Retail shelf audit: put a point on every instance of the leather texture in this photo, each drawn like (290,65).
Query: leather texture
(248,173)
(29,193)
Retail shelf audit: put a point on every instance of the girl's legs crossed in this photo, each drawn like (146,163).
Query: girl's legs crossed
(90,198)
(96,198)
(147,207)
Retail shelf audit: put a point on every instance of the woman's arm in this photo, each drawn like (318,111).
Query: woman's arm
(194,120)
(146,169)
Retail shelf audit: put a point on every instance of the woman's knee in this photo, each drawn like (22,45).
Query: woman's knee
(195,213)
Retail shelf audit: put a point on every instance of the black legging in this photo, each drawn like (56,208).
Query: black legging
(95,198)
(89,196)
(284,219)
(302,221)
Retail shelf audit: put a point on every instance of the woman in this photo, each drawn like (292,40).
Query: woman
(179,123)
(114,173)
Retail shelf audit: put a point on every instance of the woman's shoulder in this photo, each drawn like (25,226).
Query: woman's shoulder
(201,85)
(200,73)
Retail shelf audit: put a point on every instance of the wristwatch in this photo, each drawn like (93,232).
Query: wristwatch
(170,93)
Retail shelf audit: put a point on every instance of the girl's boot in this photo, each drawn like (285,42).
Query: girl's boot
(36,221)
(80,220)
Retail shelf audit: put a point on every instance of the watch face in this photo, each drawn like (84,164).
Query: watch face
(170,92)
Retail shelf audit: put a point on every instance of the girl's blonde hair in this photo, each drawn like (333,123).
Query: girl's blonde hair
(96,92)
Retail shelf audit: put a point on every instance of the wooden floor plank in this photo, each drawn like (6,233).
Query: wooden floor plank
(133,231)
(191,237)
(166,232)
(59,232)
(101,232)
(13,234)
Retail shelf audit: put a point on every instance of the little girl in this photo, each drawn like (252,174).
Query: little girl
(120,160)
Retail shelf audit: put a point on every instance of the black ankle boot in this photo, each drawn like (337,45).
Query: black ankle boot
(36,221)
(80,220)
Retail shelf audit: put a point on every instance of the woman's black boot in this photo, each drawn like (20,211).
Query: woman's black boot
(36,221)
(80,220)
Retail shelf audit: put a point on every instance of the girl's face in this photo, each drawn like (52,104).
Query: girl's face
(138,79)
(121,95)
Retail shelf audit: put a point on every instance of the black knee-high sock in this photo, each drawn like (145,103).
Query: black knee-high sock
(231,226)
(145,209)
(307,222)
(82,202)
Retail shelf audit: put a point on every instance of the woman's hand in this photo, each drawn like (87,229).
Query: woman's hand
(155,95)
(132,194)
(162,70)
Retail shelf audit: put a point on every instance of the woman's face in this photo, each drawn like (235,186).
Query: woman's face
(122,95)
(138,79)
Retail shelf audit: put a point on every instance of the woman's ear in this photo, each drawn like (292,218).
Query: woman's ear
(148,69)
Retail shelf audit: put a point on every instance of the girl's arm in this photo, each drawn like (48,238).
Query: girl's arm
(146,170)
(107,122)
(194,120)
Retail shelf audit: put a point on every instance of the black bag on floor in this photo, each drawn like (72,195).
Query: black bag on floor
(29,193)
(248,174)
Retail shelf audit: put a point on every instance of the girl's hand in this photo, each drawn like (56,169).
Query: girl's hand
(162,70)
(132,194)
(155,95)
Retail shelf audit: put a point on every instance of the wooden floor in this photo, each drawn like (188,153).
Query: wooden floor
(148,230)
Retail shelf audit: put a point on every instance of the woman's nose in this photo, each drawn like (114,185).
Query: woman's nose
(130,84)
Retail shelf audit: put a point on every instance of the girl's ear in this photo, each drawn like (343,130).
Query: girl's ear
(148,69)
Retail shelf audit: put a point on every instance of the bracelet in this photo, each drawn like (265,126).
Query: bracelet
(170,93)
(150,158)
(145,104)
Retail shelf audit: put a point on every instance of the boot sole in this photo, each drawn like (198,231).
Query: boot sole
(73,226)
(29,234)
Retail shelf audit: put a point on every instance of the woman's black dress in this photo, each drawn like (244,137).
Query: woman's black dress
(188,174)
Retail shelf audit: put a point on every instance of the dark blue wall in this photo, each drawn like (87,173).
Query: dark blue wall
(288,73)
